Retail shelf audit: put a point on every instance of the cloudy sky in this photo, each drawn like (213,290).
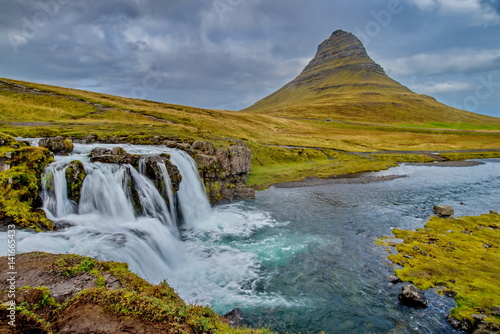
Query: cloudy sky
(227,54)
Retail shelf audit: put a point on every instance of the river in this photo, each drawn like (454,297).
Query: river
(300,259)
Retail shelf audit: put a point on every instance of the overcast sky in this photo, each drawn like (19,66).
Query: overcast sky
(227,54)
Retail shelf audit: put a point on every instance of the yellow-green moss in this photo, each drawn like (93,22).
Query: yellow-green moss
(462,255)
(399,158)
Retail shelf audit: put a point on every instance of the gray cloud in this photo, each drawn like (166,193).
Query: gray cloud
(491,4)
(230,53)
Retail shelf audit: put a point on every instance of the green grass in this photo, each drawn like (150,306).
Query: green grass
(462,255)
(471,155)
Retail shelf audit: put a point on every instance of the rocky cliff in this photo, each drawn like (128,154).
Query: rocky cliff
(224,170)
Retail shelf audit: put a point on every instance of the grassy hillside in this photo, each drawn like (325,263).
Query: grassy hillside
(284,149)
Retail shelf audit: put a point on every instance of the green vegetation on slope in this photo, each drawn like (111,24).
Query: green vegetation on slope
(461,255)
(271,164)
(74,113)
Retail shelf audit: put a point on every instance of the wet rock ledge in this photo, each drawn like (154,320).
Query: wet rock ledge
(224,170)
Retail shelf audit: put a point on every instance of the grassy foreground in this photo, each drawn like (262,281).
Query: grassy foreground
(112,298)
(460,255)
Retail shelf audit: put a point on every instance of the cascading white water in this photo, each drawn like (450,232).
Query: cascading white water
(169,192)
(193,201)
(105,224)
(55,194)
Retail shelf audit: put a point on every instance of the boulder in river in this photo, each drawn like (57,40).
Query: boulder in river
(444,210)
(116,155)
(75,174)
(154,173)
(58,145)
(412,296)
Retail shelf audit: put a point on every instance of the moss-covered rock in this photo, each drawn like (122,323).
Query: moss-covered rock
(154,173)
(20,185)
(75,175)
(224,170)
(58,145)
(117,155)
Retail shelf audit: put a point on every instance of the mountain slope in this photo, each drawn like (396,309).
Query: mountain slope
(343,83)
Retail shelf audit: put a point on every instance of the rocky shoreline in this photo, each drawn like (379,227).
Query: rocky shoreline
(357,178)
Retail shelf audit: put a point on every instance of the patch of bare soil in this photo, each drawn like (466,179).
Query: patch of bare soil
(35,270)
(38,270)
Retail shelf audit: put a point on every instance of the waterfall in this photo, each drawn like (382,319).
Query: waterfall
(193,200)
(121,215)
(54,193)
(169,191)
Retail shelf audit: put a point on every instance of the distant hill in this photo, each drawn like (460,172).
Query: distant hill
(343,83)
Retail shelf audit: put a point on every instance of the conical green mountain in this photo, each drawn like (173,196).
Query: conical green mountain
(343,83)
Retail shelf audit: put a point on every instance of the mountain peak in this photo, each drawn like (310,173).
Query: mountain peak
(342,50)
(342,82)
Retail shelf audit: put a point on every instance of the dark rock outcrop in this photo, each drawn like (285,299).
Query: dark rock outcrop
(75,174)
(224,170)
(154,173)
(412,296)
(58,145)
(485,327)
(444,210)
(90,139)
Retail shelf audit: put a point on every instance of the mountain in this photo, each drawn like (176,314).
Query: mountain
(343,83)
